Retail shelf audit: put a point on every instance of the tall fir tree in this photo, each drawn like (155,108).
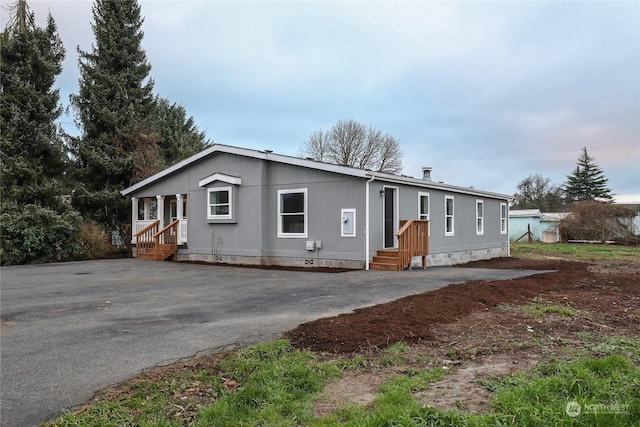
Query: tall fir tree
(35,223)
(113,110)
(32,152)
(587,182)
(178,135)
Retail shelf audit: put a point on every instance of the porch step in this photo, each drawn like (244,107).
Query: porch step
(385,259)
(385,267)
(161,253)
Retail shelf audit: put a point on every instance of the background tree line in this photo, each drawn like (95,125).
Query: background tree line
(586,195)
(61,194)
(586,183)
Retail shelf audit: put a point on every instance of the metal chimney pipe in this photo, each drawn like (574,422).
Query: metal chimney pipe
(426,173)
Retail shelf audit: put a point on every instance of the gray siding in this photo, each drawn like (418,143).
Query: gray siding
(442,247)
(251,236)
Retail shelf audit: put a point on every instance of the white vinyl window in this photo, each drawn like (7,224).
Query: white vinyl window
(503,218)
(292,213)
(479,217)
(448,216)
(424,208)
(219,203)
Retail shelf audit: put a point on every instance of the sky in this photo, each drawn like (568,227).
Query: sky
(485,93)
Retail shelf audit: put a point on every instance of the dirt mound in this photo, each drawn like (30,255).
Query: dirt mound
(412,319)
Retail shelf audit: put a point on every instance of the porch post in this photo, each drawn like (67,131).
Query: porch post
(160,210)
(134,217)
(179,217)
(147,208)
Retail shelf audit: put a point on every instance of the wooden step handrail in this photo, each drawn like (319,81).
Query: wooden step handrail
(168,236)
(145,241)
(174,224)
(413,240)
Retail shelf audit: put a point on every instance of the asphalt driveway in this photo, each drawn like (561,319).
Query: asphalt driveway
(70,329)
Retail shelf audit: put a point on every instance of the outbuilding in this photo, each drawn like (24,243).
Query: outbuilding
(241,206)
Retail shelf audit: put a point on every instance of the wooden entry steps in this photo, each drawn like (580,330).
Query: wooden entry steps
(159,253)
(386,259)
(157,245)
(413,241)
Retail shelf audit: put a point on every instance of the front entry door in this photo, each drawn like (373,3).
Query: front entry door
(389,217)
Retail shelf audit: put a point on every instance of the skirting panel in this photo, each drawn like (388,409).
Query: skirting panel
(275,261)
(462,257)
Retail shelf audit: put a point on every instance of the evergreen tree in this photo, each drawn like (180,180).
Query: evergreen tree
(178,135)
(35,224)
(113,110)
(32,152)
(587,182)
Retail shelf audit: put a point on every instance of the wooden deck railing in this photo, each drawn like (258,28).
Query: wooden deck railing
(413,240)
(166,240)
(145,240)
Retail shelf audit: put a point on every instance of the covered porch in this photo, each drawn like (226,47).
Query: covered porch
(157,223)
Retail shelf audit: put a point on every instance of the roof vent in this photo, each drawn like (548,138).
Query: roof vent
(426,173)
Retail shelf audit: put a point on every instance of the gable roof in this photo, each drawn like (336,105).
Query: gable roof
(311,164)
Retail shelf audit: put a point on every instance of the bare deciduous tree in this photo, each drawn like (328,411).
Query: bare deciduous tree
(537,192)
(353,144)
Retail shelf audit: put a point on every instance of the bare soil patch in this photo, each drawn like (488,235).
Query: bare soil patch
(479,328)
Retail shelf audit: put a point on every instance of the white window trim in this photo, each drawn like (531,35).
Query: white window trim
(428,216)
(453,216)
(208,205)
(503,219)
(479,230)
(342,216)
(227,179)
(306,214)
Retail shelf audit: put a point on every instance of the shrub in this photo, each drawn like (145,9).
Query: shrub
(33,234)
(593,220)
(94,241)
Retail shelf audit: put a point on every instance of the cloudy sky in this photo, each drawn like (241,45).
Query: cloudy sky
(487,93)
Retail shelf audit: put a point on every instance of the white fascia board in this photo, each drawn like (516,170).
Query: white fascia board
(311,164)
(234,180)
(246,152)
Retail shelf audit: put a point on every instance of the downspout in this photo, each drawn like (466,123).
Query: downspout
(507,220)
(366,231)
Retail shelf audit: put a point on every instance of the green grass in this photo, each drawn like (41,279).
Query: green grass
(577,251)
(539,397)
(277,385)
(540,306)
(607,345)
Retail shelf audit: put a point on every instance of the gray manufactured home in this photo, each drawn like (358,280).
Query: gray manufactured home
(240,206)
